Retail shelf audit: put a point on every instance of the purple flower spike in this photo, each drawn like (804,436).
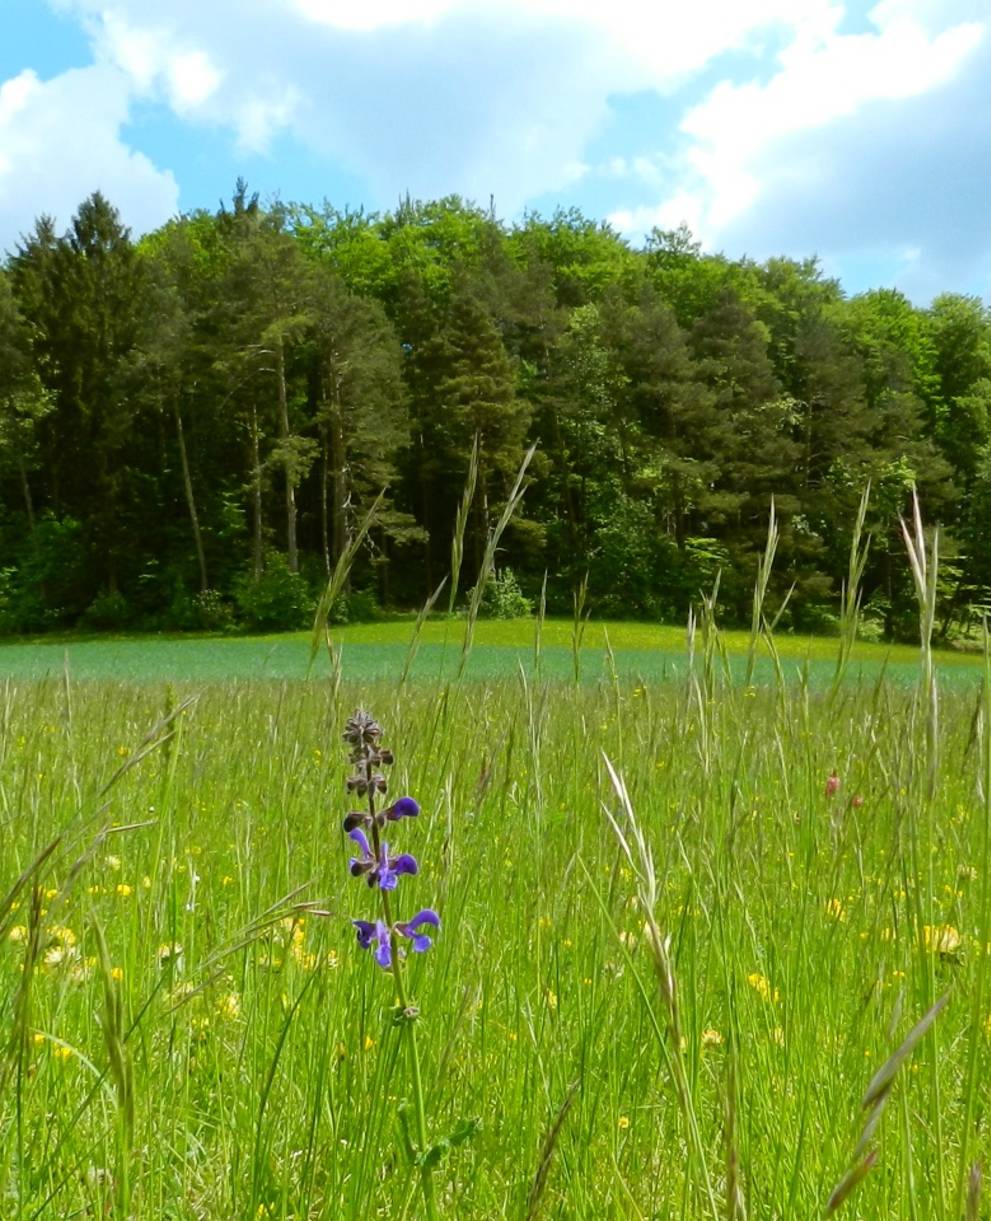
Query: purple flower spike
(375,933)
(421,941)
(382,870)
(388,869)
(403,807)
(367,861)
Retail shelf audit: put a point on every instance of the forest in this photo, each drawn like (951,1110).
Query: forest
(194,424)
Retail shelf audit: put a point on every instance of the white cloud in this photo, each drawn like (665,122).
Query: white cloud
(682,208)
(823,76)
(475,96)
(373,14)
(192,79)
(60,141)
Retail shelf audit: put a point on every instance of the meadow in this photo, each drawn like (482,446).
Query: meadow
(381,651)
(681,1019)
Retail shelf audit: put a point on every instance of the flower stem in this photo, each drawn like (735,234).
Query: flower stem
(426,1174)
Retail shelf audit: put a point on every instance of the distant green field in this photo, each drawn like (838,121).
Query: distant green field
(376,651)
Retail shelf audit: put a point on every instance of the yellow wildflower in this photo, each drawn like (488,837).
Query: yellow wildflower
(124,891)
(170,954)
(762,986)
(711,1038)
(229,1005)
(941,938)
(623,1122)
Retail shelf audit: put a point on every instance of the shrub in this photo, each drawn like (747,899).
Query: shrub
(357,606)
(107,612)
(276,600)
(20,609)
(502,597)
(212,611)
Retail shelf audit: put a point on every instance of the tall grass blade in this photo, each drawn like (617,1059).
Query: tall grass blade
(461,522)
(488,559)
(339,577)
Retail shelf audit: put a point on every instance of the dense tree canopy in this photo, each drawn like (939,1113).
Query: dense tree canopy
(192,425)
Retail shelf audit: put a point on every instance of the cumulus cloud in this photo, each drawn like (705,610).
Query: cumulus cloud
(425,95)
(60,141)
(847,149)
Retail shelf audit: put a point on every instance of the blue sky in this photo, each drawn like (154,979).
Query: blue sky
(858,132)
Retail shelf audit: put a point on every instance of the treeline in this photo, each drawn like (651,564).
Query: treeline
(192,425)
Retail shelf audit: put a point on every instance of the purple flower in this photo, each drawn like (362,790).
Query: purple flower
(382,870)
(375,933)
(402,807)
(421,941)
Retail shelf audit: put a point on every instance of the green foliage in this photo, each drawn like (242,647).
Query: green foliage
(17,613)
(246,383)
(355,606)
(206,611)
(109,611)
(276,599)
(502,597)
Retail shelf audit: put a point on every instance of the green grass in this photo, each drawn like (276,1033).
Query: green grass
(263,1068)
(378,651)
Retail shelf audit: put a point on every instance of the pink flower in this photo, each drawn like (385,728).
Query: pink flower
(857,801)
(832,784)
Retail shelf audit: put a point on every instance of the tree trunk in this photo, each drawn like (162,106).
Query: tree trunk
(338,473)
(280,370)
(187,483)
(26,492)
(385,589)
(425,515)
(256,495)
(324,506)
